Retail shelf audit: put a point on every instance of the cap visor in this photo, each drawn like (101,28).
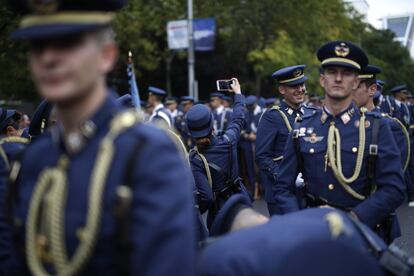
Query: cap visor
(340,64)
(295,82)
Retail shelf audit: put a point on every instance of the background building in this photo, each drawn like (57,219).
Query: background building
(403,28)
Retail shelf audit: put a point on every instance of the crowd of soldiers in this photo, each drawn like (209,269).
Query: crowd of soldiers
(92,186)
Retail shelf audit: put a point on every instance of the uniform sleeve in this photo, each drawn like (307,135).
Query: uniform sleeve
(205,197)
(238,120)
(5,231)
(266,135)
(389,180)
(284,188)
(163,212)
(400,139)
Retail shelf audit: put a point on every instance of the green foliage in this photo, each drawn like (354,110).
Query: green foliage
(254,39)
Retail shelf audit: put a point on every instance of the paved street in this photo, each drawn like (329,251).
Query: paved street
(405,214)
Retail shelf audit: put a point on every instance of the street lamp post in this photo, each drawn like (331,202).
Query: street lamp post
(191,57)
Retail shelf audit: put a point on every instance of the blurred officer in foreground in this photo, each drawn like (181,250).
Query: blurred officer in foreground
(214,158)
(91,197)
(349,159)
(275,126)
(160,114)
(320,241)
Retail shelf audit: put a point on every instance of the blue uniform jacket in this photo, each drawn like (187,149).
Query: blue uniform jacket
(301,243)
(162,212)
(321,183)
(5,237)
(271,139)
(389,106)
(218,153)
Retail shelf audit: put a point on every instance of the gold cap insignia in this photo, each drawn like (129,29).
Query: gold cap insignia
(44,6)
(297,73)
(342,50)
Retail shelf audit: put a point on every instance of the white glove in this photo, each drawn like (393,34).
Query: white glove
(299,180)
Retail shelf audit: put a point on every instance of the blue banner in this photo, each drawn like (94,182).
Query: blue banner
(133,84)
(204,34)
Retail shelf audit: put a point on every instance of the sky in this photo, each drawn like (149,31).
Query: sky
(381,8)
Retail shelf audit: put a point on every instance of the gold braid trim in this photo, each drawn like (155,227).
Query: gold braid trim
(50,194)
(407,140)
(334,156)
(14,139)
(206,167)
(5,158)
(284,117)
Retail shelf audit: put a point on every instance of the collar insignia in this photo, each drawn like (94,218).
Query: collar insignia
(345,118)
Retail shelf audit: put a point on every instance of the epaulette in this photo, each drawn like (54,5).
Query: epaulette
(314,112)
(374,114)
(310,107)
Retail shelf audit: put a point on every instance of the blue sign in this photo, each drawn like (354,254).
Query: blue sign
(204,34)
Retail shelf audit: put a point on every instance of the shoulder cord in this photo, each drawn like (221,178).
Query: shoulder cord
(407,139)
(206,166)
(178,143)
(14,139)
(284,117)
(52,188)
(333,156)
(3,155)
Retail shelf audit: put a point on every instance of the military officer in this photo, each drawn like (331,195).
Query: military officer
(99,193)
(275,125)
(387,103)
(43,118)
(186,103)
(214,157)
(364,98)
(10,135)
(248,138)
(160,114)
(400,93)
(221,115)
(286,245)
(349,159)
(227,103)
(171,103)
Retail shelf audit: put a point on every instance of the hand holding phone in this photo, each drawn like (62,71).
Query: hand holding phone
(231,85)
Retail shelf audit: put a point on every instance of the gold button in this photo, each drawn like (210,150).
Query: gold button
(311,150)
(354,149)
(331,187)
